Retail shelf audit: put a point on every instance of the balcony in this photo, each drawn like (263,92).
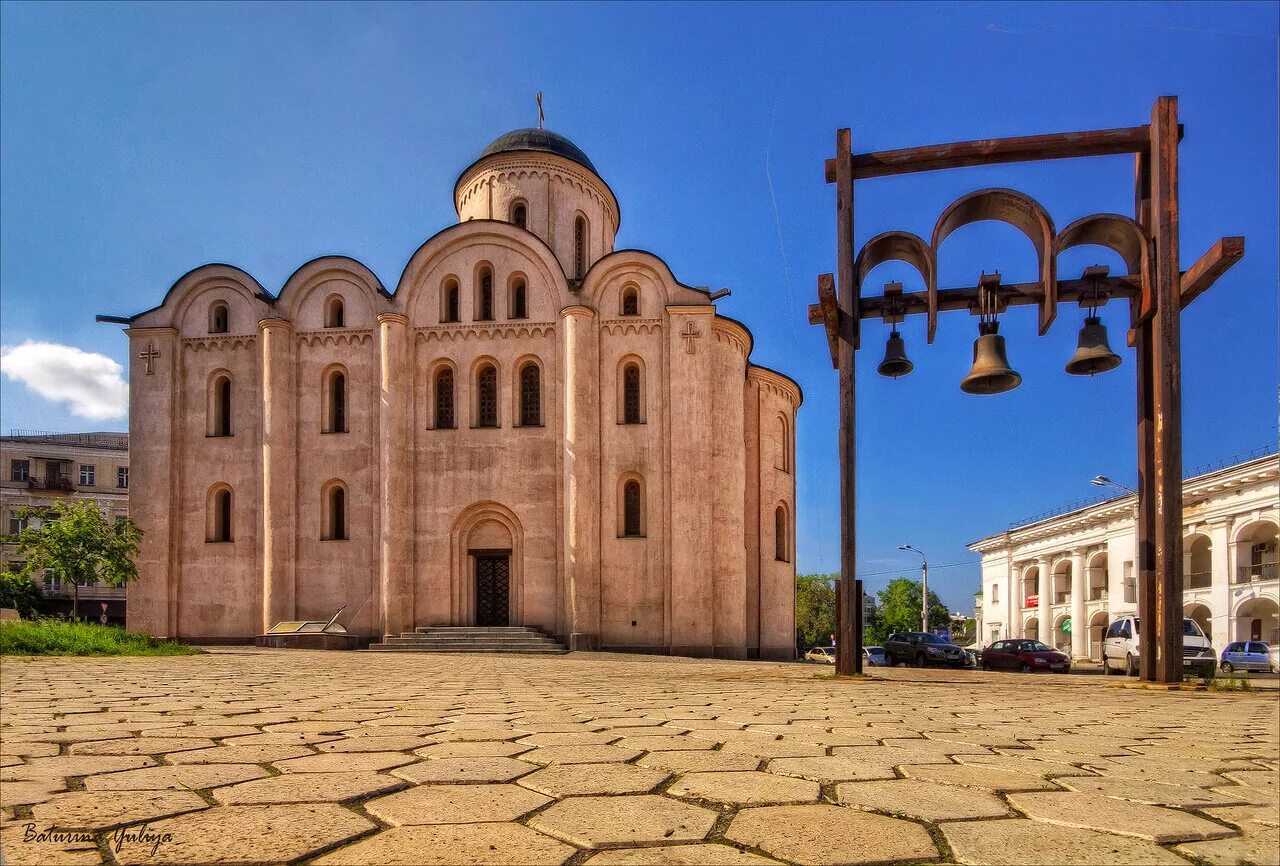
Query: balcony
(93,592)
(52,484)
(1258,572)
(1197,580)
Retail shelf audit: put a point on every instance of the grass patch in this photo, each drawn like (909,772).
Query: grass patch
(54,637)
(1227,682)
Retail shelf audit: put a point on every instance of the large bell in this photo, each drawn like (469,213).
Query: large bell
(991,373)
(1093,354)
(895,361)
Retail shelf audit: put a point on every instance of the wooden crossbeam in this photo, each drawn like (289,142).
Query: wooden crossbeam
(827,313)
(1216,261)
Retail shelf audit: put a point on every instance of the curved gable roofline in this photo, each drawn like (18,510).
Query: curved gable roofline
(601,264)
(356,268)
(780,375)
(184,282)
(428,247)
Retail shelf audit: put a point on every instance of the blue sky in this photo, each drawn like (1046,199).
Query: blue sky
(138,141)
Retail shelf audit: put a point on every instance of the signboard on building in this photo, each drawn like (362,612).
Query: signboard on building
(1033,601)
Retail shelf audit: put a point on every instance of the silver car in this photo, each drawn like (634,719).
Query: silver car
(1242,655)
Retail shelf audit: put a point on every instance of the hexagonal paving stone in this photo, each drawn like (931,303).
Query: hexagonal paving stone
(353,762)
(24,793)
(307,788)
(65,766)
(699,761)
(748,787)
(680,855)
(140,746)
(99,810)
(454,735)
(1096,812)
(474,749)
(456,804)
(828,769)
(191,777)
(261,754)
(1152,793)
(596,822)
(924,800)
(1256,846)
(577,738)
(451,844)
(886,756)
(465,770)
(567,780)
(209,732)
(977,777)
(395,743)
(31,847)
(822,835)
(27,750)
(579,755)
(243,834)
(1019,842)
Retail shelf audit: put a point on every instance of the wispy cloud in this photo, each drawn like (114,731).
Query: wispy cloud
(88,384)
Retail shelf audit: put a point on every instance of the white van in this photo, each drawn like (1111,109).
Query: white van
(1120,648)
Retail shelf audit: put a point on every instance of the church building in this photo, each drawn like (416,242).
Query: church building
(533,428)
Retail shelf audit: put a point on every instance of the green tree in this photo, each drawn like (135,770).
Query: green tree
(77,544)
(899,610)
(815,610)
(20,593)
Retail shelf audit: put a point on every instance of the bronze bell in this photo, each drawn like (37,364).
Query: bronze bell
(1093,354)
(991,373)
(895,361)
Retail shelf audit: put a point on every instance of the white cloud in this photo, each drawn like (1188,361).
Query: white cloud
(91,385)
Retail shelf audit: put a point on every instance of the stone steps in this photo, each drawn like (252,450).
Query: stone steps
(472,639)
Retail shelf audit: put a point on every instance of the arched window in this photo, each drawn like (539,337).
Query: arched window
(630,301)
(781,550)
(218,518)
(444,399)
(484,297)
(520,215)
(784,445)
(487,396)
(449,302)
(631,394)
(219,409)
(632,525)
(335,512)
(219,318)
(335,398)
(519,299)
(580,247)
(334,312)
(530,395)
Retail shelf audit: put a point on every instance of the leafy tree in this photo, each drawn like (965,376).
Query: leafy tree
(77,544)
(815,609)
(20,593)
(899,610)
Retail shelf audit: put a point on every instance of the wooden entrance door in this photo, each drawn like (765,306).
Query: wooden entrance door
(493,589)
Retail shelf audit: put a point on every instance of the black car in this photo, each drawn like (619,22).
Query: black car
(920,649)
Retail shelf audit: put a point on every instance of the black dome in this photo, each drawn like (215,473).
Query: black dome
(543,140)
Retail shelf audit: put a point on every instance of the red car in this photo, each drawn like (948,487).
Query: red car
(1025,656)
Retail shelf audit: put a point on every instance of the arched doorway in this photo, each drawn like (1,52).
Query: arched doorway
(1258,619)
(487,567)
(489,549)
(1198,563)
(1061,639)
(1202,616)
(1031,628)
(1097,629)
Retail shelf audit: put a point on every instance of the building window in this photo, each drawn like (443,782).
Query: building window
(19,470)
(630,301)
(487,396)
(530,395)
(520,215)
(335,512)
(16,524)
(444,399)
(781,550)
(335,398)
(449,302)
(519,301)
(995,593)
(219,517)
(87,475)
(1130,584)
(220,406)
(484,297)
(580,247)
(122,477)
(632,525)
(631,394)
(219,318)
(335,314)
(784,445)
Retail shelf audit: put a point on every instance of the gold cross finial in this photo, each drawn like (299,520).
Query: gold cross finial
(540,115)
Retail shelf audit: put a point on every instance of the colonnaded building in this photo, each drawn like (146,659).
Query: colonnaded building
(533,429)
(1078,567)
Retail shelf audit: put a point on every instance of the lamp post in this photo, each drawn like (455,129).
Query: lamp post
(924,585)
(1104,481)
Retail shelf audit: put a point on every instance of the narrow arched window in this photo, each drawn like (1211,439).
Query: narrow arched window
(335,314)
(784,446)
(781,548)
(444,399)
(631,301)
(530,396)
(580,247)
(631,523)
(519,302)
(220,407)
(631,394)
(487,397)
(519,215)
(484,297)
(449,302)
(336,398)
(219,318)
(219,518)
(335,513)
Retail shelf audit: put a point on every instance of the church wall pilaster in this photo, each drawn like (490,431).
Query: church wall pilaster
(279,472)
(395,523)
(581,467)
(728,349)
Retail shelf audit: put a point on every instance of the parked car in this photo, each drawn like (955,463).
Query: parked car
(921,649)
(1244,655)
(822,654)
(1025,656)
(874,656)
(1274,655)
(1120,648)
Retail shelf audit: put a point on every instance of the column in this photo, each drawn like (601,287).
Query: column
(1079,627)
(1044,589)
(728,350)
(1013,605)
(581,467)
(395,543)
(279,473)
(1220,585)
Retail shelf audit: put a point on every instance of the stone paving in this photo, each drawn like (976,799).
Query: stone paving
(264,756)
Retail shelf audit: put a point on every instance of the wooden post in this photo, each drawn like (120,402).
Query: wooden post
(846,649)
(1166,392)
(1145,519)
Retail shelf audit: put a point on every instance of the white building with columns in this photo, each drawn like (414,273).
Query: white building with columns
(1044,579)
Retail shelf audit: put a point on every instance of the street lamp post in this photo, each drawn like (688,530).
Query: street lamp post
(1104,481)
(924,585)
